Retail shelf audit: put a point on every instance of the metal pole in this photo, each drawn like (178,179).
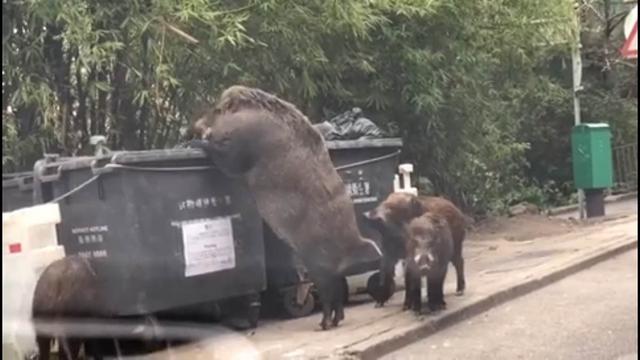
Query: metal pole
(576,62)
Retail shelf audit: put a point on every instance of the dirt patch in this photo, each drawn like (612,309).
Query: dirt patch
(520,228)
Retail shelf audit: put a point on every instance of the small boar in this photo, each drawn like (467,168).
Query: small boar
(391,218)
(429,250)
(71,291)
(67,289)
(285,164)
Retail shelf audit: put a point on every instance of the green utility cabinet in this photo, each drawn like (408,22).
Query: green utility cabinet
(592,157)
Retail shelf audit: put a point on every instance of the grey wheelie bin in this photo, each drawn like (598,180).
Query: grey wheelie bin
(367,168)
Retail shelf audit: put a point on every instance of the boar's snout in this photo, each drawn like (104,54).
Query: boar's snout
(368,214)
(424,260)
(372,215)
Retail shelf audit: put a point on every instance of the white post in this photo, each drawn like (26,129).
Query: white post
(405,171)
(577,87)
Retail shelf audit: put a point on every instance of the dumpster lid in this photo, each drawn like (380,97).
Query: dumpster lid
(363,143)
(162,155)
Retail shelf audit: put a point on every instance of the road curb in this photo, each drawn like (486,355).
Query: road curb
(396,341)
(609,199)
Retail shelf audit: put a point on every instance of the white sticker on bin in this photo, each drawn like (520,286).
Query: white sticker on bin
(208,246)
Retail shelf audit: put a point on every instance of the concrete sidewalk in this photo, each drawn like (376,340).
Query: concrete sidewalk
(623,205)
(611,199)
(497,270)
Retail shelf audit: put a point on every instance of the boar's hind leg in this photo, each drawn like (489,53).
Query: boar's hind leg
(407,291)
(458,264)
(339,295)
(326,286)
(386,279)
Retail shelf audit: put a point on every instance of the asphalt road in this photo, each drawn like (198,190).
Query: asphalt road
(590,315)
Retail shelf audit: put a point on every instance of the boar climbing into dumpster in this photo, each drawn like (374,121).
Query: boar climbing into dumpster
(392,217)
(285,164)
(429,249)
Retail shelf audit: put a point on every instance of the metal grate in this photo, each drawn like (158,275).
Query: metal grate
(625,167)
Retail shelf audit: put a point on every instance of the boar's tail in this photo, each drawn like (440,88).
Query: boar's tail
(365,256)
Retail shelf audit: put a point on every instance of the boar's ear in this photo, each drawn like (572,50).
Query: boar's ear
(415,207)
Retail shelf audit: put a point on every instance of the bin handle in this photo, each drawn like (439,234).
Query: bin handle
(49,177)
(23,185)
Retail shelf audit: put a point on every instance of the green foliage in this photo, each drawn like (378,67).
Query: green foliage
(20,154)
(9,140)
(476,89)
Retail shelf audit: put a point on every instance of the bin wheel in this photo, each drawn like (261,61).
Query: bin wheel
(291,306)
(253,316)
(253,312)
(345,291)
(375,290)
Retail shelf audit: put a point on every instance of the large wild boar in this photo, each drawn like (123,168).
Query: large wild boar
(429,250)
(270,144)
(393,215)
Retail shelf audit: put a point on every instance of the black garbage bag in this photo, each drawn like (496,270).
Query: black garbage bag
(350,125)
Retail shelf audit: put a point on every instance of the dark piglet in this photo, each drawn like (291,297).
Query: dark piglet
(67,289)
(68,293)
(391,219)
(285,164)
(429,250)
